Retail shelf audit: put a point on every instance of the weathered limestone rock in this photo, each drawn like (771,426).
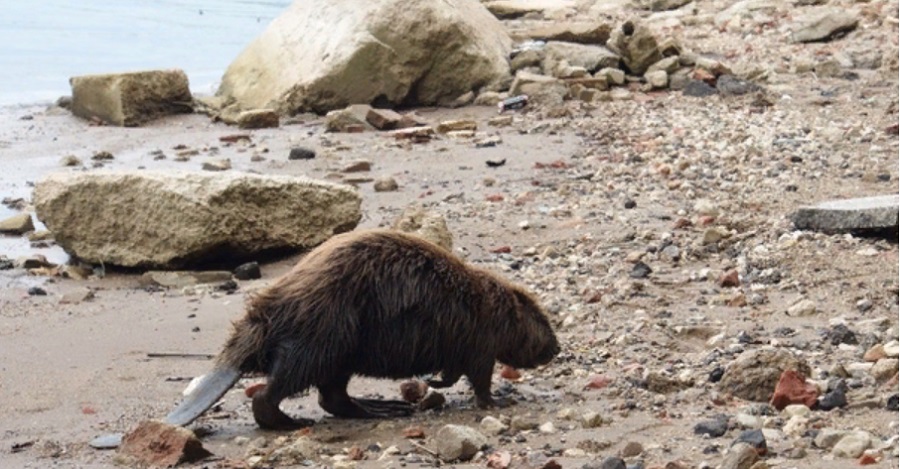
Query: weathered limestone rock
(130,99)
(557,55)
(458,442)
(426,224)
(258,119)
(175,220)
(162,445)
(510,9)
(754,374)
(321,55)
(825,25)
(17,224)
(637,46)
(865,213)
(581,33)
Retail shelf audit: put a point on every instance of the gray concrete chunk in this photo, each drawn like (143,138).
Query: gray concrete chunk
(865,213)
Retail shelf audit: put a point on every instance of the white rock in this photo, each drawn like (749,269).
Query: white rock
(802,308)
(493,425)
(852,445)
(458,442)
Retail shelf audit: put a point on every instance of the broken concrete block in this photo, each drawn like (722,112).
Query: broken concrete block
(162,445)
(130,99)
(865,213)
(383,119)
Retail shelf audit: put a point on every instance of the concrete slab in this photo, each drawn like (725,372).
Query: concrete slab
(865,213)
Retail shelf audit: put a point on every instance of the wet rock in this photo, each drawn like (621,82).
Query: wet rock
(17,224)
(712,428)
(201,213)
(792,388)
(385,184)
(755,438)
(852,445)
(458,442)
(427,224)
(159,444)
(740,456)
(130,99)
(301,153)
(640,270)
(382,51)
(258,119)
(383,119)
(181,279)
(754,374)
(825,26)
(248,271)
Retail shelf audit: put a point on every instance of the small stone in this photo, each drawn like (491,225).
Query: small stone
(852,445)
(591,420)
(523,423)
(841,334)
(875,353)
(802,308)
(70,160)
(301,153)
(102,156)
(348,120)
(698,89)
(729,279)
(885,369)
(385,184)
(658,79)
(740,456)
(792,388)
(357,166)
(713,428)
(458,442)
(713,235)
(217,165)
(729,85)
(832,400)
(825,26)
(755,438)
(37,291)
(77,296)
(892,349)
(867,459)
(493,425)
(248,271)
(501,121)
(547,428)
(17,224)
(413,390)
(826,438)
(509,373)
(383,119)
(748,421)
(432,400)
(611,462)
(159,444)
(631,449)
(613,76)
(892,402)
(258,119)
(630,204)
(640,270)
(754,374)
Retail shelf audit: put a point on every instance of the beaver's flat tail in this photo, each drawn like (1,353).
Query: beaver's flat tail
(211,388)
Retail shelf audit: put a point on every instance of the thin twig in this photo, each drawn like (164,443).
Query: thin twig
(204,356)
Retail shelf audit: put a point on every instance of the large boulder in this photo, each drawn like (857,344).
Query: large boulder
(130,99)
(175,220)
(321,55)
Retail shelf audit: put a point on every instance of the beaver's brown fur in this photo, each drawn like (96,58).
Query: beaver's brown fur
(382,304)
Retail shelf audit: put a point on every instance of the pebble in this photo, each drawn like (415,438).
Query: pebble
(802,308)
(523,423)
(591,420)
(547,428)
(884,369)
(248,271)
(833,399)
(748,421)
(892,402)
(385,184)
(754,438)
(611,462)
(357,166)
(37,291)
(458,442)
(493,425)
(640,270)
(70,160)
(217,165)
(301,153)
(875,353)
(740,456)
(852,445)
(713,428)
(631,449)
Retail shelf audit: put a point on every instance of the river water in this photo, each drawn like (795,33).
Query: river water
(44,42)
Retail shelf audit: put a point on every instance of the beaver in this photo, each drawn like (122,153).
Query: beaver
(376,303)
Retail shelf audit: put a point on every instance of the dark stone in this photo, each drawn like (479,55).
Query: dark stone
(248,271)
(754,438)
(698,89)
(6,264)
(730,85)
(640,270)
(716,374)
(228,286)
(629,203)
(834,399)
(841,334)
(714,428)
(611,462)
(301,153)
(892,403)
(37,291)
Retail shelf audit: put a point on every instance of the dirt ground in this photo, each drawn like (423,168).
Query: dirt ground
(600,186)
